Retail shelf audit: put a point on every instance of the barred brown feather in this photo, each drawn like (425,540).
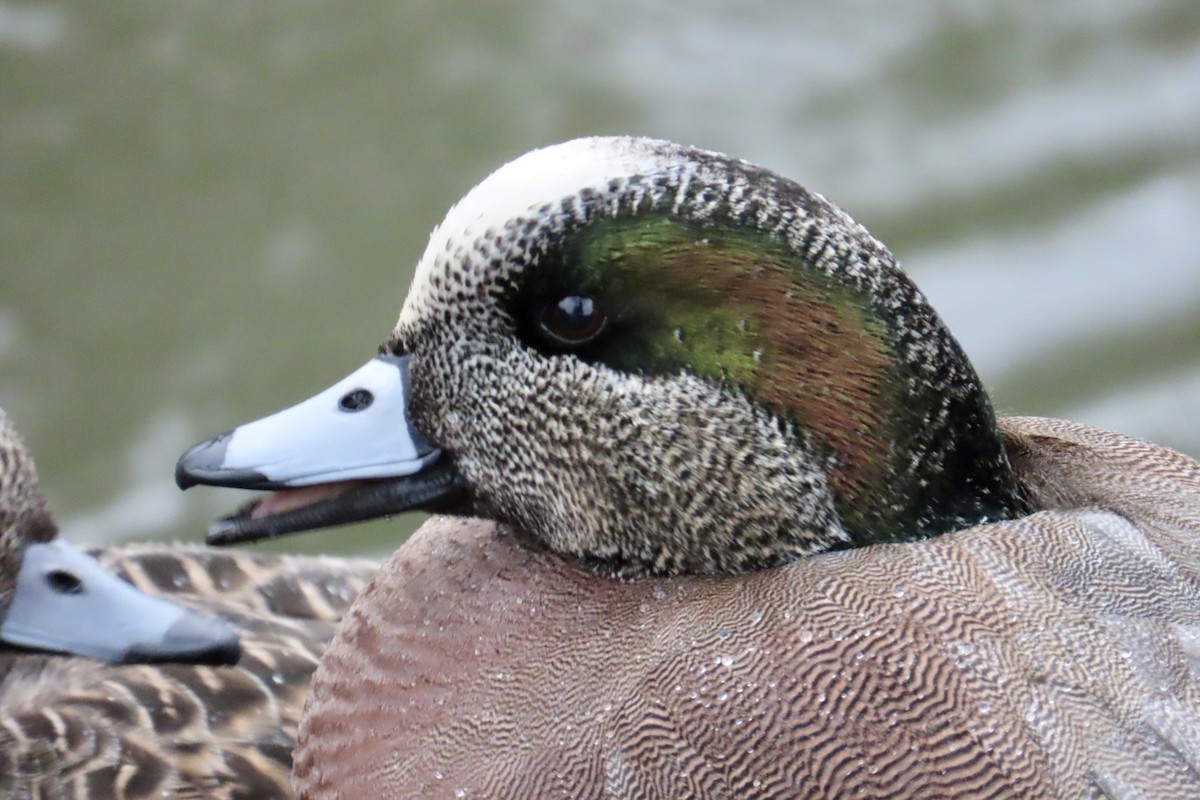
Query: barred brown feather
(74,729)
(1049,656)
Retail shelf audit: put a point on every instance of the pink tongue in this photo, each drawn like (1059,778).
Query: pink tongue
(291,499)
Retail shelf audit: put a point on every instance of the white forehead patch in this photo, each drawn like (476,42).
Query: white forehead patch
(539,177)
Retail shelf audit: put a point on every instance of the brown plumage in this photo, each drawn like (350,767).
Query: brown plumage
(752,529)
(1050,656)
(72,727)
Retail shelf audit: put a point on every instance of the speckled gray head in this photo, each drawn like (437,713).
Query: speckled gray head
(55,598)
(655,358)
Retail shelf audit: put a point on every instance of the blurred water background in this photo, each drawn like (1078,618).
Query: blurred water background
(211,210)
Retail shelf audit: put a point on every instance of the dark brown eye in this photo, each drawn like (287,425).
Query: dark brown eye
(572,320)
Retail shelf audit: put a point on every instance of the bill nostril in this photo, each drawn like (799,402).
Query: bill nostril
(63,582)
(356,400)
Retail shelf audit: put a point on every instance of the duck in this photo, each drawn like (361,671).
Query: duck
(55,598)
(154,670)
(721,510)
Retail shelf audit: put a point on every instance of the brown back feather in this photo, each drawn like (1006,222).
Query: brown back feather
(76,729)
(1050,656)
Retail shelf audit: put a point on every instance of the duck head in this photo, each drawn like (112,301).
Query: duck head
(58,599)
(654,358)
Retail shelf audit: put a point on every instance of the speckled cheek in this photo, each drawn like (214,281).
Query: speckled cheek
(425,413)
(455,387)
(506,417)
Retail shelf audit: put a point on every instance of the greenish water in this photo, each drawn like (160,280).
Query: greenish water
(211,210)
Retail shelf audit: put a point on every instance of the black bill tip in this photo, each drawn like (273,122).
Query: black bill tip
(204,464)
(193,639)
